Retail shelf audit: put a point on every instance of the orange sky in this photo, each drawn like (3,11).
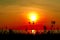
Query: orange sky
(19,18)
(14,12)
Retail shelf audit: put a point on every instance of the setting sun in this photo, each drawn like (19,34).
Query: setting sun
(33,16)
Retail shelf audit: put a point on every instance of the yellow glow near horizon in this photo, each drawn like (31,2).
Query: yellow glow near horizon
(33,31)
(33,16)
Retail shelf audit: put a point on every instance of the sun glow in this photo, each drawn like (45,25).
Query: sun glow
(33,16)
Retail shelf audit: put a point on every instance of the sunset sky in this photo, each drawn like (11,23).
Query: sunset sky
(14,12)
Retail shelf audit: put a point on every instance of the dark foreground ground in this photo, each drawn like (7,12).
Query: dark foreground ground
(29,37)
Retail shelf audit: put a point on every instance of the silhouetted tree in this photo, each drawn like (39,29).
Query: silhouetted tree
(52,24)
(48,32)
(45,28)
(37,32)
(29,22)
(10,31)
(26,29)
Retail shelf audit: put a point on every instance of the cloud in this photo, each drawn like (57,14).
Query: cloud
(49,5)
(7,2)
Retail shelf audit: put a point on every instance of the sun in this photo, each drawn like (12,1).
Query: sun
(33,16)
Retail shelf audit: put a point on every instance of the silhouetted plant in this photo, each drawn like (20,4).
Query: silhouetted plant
(26,29)
(52,24)
(48,32)
(29,22)
(45,28)
(10,31)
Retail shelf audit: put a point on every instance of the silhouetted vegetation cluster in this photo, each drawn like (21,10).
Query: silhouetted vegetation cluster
(12,36)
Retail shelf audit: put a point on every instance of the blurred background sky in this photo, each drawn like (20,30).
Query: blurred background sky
(13,12)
